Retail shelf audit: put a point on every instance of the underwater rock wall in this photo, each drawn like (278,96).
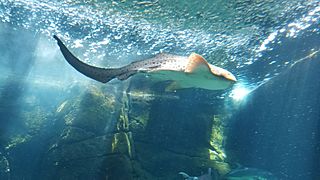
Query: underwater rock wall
(172,132)
(277,129)
(103,133)
(115,136)
(83,137)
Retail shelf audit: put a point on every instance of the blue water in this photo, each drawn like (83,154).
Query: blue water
(56,123)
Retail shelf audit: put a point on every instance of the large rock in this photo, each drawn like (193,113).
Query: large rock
(84,138)
(145,138)
(172,134)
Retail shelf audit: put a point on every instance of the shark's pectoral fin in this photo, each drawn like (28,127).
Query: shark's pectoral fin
(197,64)
(173,86)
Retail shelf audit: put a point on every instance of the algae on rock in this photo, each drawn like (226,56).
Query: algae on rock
(94,126)
(216,152)
(91,111)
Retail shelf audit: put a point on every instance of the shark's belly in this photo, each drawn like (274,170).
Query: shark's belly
(167,75)
(187,80)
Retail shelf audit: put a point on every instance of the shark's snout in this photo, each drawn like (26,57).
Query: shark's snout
(230,76)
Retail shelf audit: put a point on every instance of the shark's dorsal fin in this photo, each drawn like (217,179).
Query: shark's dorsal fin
(197,64)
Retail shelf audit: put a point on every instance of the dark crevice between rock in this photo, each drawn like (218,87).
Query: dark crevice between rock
(90,157)
(160,148)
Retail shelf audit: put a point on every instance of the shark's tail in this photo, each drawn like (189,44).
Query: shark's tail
(100,74)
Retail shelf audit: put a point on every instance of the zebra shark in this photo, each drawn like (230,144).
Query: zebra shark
(184,72)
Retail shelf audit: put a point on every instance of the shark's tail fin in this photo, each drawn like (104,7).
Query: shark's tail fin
(100,74)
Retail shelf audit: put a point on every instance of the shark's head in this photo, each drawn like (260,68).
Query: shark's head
(208,76)
(228,75)
(223,73)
